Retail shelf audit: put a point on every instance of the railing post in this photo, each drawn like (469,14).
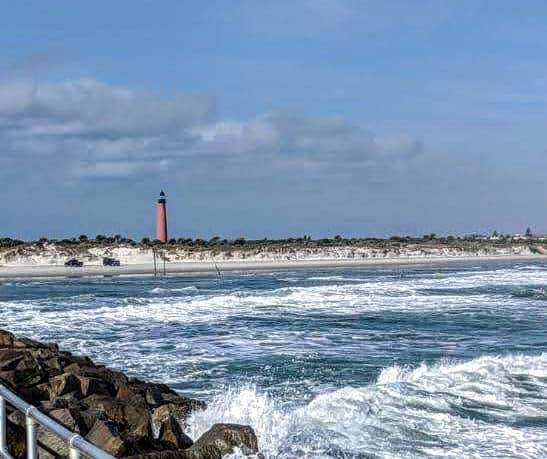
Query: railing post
(32,438)
(74,453)
(3,431)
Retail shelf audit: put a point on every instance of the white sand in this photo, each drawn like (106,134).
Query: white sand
(189,267)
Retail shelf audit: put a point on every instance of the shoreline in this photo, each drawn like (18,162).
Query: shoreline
(204,267)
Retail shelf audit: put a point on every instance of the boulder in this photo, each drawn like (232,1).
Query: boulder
(8,377)
(126,392)
(112,408)
(16,438)
(114,412)
(209,452)
(154,395)
(29,377)
(57,362)
(6,339)
(9,358)
(70,418)
(22,342)
(185,405)
(63,384)
(115,378)
(90,385)
(138,416)
(106,436)
(226,437)
(34,395)
(17,418)
(171,432)
(50,445)
(90,417)
(180,408)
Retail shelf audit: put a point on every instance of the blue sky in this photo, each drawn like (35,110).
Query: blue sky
(273,118)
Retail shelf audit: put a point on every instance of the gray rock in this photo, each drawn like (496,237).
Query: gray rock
(226,437)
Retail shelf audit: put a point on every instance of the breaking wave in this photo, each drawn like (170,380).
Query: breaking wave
(487,407)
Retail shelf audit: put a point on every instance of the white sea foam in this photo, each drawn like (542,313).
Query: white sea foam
(483,408)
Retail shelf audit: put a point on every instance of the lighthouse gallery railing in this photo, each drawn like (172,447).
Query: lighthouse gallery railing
(33,418)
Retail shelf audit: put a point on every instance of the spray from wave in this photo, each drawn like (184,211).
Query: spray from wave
(487,407)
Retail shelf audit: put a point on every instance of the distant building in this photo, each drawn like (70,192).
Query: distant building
(161,218)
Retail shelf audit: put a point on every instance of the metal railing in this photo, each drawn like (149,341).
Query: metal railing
(33,417)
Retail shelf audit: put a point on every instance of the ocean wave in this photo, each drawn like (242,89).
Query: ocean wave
(535,293)
(163,290)
(487,407)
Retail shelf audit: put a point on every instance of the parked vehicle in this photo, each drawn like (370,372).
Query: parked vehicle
(107,261)
(74,262)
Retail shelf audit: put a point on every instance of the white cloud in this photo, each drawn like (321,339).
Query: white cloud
(91,129)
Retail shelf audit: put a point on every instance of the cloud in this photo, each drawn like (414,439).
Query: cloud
(320,139)
(89,107)
(89,129)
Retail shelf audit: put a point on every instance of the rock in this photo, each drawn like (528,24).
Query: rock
(56,362)
(127,391)
(6,339)
(180,408)
(115,378)
(8,377)
(50,445)
(106,436)
(112,408)
(71,367)
(62,402)
(17,418)
(209,452)
(63,384)
(171,432)
(90,385)
(16,440)
(112,411)
(9,358)
(34,395)
(78,360)
(30,343)
(70,418)
(226,437)
(154,394)
(185,404)
(29,377)
(90,417)
(138,416)
(43,353)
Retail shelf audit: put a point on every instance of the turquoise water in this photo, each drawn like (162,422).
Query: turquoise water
(393,362)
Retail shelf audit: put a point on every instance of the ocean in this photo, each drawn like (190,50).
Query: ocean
(421,361)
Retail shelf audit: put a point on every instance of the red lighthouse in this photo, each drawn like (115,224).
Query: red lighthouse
(161,219)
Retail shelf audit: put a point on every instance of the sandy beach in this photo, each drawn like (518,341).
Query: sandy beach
(194,267)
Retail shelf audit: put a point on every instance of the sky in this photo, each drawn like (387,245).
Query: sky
(273,118)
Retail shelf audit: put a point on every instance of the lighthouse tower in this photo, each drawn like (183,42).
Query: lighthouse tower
(161,219)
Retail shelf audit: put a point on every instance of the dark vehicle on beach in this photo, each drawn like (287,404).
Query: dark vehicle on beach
(107,261)
(74,262)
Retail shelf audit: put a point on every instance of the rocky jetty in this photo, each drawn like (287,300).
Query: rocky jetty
(124,416)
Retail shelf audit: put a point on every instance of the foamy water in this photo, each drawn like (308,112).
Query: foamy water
(420,361)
